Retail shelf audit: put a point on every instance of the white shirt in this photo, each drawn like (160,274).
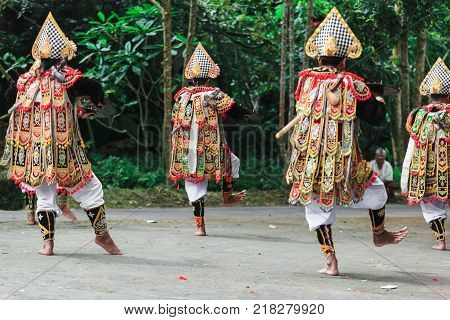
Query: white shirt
(405,168)
(385,173)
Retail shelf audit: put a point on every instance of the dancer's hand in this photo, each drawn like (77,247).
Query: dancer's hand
(73,45)
(212,98)
(85,115)
(442,120)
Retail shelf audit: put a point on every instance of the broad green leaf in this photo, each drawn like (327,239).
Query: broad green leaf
(279,12)
(128,46)
(136,70)
(101,16)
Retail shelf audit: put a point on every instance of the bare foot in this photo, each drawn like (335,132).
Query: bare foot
(201,232)
(331,267)
(47,248)
(200,224)
(107,243)
(68,213)
(30,219)
(440,245)
(388,237)
(235,199)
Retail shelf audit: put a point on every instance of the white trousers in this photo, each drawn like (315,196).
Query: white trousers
(196,191)
(433,210)
(374,198)
(89,197)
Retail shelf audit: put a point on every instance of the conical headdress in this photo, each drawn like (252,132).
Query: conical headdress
(201,65)
(51,42)
(437,81)
(333,38)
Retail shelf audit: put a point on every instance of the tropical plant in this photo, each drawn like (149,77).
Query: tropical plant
(123,52)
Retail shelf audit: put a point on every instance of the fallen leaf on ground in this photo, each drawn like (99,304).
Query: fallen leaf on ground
(150,221)
(272,226)
(181,277)
(435,279)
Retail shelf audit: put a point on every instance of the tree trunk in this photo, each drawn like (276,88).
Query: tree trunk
(190,35)
(420,65)
(398,145)
(309,18)
(291,60)
(167,66)
(398,142)
(282,101)
(146,145)
(404,76)
(291,75)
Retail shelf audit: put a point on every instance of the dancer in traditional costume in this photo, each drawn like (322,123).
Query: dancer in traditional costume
(199,149)
(425,172)
(30,196)
(44,150)
(327,168)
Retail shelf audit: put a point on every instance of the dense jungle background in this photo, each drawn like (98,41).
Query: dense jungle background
(138,50)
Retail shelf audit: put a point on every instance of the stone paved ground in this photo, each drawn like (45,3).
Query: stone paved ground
(250,253)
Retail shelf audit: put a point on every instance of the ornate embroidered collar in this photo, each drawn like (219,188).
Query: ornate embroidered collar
(193,90)
(327,73)
(437,107)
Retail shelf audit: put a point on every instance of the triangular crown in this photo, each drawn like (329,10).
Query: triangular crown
(333,38)
(437,81)
(51,42)
(201,65)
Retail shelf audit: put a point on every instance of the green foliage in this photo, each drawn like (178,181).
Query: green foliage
(397,173)
(121,172)
(116,172)
(120,43)
(13,66)
(119,50)
(244,39)
(261,175)
(13,63)
(11,198)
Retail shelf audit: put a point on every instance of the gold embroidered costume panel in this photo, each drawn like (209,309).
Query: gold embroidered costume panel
(212,154)
(326,159)
(428,179)
(43,140)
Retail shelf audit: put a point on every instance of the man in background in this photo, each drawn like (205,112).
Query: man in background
(383,169)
